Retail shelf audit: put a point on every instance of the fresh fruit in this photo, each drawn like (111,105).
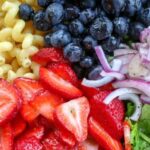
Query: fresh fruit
(18,125)
(45,103)
(52,142)
(64,71)
(102,137)
(101,28)
(60,38)
(39,22)
(58,84)
(6,136)
(28,88)
(28,143)
(109,116)
(76,27)
(25,12)
(43,3)
(86,62)
(110,44)
(54,13)
(48,55)
(145,16)
(73,116)
(73,52)
(114,7)
(10,101)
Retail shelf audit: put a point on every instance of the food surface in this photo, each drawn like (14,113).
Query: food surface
(74,75)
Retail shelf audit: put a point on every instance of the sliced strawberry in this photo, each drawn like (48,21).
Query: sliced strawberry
(28,88)
(28,113)
(6,137)
(64,71)
(109,116)
(58,84)
(46,55)
(52,142)
(9,101)
(28,144)
(73,116)
(45,103)
(102,137)
(37,132)
(18,124)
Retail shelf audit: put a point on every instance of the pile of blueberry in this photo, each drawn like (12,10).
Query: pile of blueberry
(79,25)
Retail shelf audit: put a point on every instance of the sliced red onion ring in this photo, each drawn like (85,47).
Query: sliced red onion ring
(119,92)
(102,58)
(138,105)
(124,68)
(125,58)
(145,99)
(105,80)
(116,75)
(120,52)
(145,35)
(140,85)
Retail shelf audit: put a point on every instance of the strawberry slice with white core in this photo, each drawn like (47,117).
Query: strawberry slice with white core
(9,101)
(6,137)
(59,85)
(73,116)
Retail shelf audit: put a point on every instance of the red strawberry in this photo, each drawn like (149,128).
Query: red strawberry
(58,84)
(102,137)
(46,55)
(18,125)
(73,116)
(109,116)
(31,143)
(64,71)
(6,137)
(52,142)
(107,87)
(28,88)
(45,103)
(28,112)
(37,132)
(9,101)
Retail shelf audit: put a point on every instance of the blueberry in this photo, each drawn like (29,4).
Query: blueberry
(145,16)
(101,28)
(88,3)
(76,27)
(110,44)
(135,30)
(94,74)
(114,7)
(132,6)
(121,26)
(25,12)
(54,13)
(60,38)
(58,1)
(43,3)
(89,43)
(87,15)
(71,13)
(73,52)
(39,22)
(86,62)
(58,27)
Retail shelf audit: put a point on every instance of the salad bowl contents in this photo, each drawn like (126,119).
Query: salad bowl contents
(74,75)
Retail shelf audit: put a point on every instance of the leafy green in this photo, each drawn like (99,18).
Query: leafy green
(140,131)
(130,109)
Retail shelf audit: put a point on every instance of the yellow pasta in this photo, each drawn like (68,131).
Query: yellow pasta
(18,42)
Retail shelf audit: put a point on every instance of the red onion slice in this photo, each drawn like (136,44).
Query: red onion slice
(102,58)
(120,52)
(115,75)
(140,85)
(124,69)
(105,80)
(145,99)
(138,105)
(119,92)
